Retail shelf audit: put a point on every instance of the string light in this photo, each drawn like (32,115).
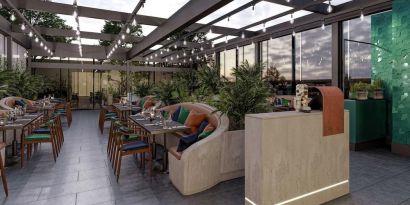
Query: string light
(228,18)
(184,42)
(243,35)
(23,27)
(175,46)
(330,7)
(323,24)
(288,1)
(12,17)
(264,28)
(75,14)
(361,15)
(123,36)
(293,33)
(202,48)
(210,31)
(226,39)
(128,30)
(134,22)
(292,20)
(30,34)
(41,44)
(36,39)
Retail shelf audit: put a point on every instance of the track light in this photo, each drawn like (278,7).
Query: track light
(330,7)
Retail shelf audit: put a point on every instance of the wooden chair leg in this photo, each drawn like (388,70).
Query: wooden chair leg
(3,176)
(22,154)
(53,146)
(119,166)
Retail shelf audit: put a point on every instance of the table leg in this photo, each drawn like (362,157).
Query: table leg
(14,143)
(165,160)
(4,140)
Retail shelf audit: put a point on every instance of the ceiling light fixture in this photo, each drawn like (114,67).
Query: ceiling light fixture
(292,20)
(330,7)
(361,15)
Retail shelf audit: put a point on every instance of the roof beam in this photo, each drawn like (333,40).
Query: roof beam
(66,9)
(187,15)
(317,8)
(106,67)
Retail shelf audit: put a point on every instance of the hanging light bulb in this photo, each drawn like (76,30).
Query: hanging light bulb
(210,31)
(184,54)
(134,22)
(228,18)
(323,25)
(237,48)
(184,61)
(177,56)
(184,42)
(361,16)
(128,30)
(160,52)
(123,36)
(175,46)
(23,27)
(12,17)
(202,48)
(75,14)
(41,44)
(193,51)
(226,39)
(213,45)
(77,32)
(288,1)
(119,41)
(293,33)
(330,7)
(156,55)
(30,34)
(253,10)
(292,20)
(243,35)
(264,28)
(36,39)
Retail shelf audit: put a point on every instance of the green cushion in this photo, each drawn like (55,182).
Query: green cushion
(110,114)
(183,115)
(37,137)
(130,137)
(204,134)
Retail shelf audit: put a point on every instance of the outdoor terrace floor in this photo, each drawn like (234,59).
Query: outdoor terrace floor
(83,175)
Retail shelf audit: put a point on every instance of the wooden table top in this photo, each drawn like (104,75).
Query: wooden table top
(21,122)
(121,107)
(155,127)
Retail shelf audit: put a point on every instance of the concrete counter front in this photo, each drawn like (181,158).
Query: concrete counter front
(289,161)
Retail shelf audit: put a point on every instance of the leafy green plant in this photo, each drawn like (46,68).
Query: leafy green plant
(378,84)
(143,88)
(248,94)
(171,92)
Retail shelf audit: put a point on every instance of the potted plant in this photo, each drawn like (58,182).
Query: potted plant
(352,91)
(362,92)
(377,90)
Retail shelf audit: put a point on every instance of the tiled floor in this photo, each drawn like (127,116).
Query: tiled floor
(82,175)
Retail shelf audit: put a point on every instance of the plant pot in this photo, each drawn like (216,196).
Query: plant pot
(378,95)
(109,100)
(352,95)
(362,95)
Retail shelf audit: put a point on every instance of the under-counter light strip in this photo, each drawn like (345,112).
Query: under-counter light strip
(313,192)
(304,195)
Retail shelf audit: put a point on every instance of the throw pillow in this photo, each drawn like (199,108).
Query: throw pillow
(148,104)
(194,119)
(183,115)
(207,131)
(187,141)
(202,126)
(175,114)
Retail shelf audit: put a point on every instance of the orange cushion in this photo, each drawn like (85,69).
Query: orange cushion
(194,120)
(148,104)
(209,128)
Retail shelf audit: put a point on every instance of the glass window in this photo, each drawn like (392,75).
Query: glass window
(247,53)
(314,56)
(277,53)
(356,33)
(227,62)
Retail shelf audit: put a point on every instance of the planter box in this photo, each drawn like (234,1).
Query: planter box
(233,154)
(367,123)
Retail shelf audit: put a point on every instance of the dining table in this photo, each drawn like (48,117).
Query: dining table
(155,128)
(125,110)
(20,123)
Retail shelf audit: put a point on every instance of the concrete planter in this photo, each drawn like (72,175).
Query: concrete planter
(233,154)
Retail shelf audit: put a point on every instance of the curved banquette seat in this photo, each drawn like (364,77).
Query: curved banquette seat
(8,103)
(200,166)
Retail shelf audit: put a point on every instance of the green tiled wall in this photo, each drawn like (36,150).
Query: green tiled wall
(381,35)
(401,72)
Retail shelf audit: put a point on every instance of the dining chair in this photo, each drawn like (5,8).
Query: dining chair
(2,168)
(32,138)
(138,147)
(107,113)
(66,111)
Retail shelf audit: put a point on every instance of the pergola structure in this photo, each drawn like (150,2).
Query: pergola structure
(186,18)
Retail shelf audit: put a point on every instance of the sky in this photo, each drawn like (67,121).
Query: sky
(165,9)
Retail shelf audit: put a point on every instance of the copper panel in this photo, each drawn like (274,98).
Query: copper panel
(333,110)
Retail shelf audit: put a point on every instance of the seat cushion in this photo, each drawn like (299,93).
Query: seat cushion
(37,137)
(135,146)
(43,130)
(130,137)
(183,115)
(202,126)
(194,119)
(187,141)
(207,131)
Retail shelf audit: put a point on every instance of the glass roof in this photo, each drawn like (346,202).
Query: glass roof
(159,8)
(248,16)
(224,10)
(220,40)
(280,20)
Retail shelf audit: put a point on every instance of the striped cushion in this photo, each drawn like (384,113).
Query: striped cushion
(37,137)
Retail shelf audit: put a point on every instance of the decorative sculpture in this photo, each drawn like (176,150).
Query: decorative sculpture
(301,102)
